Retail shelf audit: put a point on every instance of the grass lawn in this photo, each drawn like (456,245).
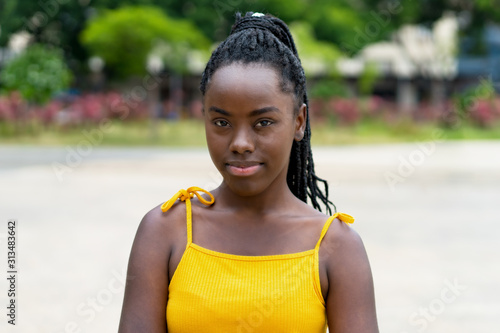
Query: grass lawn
(192,133)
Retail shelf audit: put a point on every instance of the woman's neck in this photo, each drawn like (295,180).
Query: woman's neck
(275,198)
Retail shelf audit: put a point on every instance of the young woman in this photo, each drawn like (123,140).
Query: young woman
(251,256)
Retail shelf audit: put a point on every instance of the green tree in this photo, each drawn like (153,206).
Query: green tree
(475,15)
(318,57)
(59,23)
(7,24)
(124,37)
(367,79)
(50,22)
(38,73)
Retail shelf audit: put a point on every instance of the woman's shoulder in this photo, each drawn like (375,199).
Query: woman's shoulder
(340,235)
(343,247)
(156,216)
(349,274)
(164,226)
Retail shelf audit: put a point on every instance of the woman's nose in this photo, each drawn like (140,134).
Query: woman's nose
(242,141)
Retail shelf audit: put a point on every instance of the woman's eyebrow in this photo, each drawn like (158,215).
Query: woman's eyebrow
(252,114)
(219,110)
(266,109)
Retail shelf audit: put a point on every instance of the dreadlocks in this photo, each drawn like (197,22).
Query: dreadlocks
(267,39)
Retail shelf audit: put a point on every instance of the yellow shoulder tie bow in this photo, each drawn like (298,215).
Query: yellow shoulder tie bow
(345,217)
(187,195)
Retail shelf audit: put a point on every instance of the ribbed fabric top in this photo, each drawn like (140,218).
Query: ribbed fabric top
(212,291)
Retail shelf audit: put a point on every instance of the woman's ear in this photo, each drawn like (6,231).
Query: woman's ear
(300,123)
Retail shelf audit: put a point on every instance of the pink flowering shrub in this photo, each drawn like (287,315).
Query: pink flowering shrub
(347,111)
(484,113)
(10,107)
(71,111)
(90,109)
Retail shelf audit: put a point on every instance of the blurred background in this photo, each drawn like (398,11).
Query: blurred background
(100,120)
(377,70)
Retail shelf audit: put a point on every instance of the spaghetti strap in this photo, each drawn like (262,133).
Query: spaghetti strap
(341,216)
(317,283)
(187,195)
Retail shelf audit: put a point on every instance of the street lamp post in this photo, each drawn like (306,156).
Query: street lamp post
(154,66)
(96,65)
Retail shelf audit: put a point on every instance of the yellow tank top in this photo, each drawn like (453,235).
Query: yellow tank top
(218,292)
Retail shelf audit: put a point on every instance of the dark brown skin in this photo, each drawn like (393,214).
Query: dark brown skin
(249,121)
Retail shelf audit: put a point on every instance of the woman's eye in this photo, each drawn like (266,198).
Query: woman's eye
(221,123)
(264,123)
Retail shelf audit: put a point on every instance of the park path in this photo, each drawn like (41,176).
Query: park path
(431,232)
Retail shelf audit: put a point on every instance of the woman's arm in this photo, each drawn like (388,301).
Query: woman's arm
(146,291)
(350,301)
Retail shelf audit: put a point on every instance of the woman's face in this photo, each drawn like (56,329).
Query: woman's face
(250,127)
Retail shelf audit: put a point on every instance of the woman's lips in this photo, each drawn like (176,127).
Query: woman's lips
(243,170)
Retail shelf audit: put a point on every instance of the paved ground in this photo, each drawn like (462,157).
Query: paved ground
(432,232)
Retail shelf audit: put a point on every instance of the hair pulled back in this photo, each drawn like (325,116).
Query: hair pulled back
(266,39)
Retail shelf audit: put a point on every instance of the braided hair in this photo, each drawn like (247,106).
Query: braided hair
(266,39)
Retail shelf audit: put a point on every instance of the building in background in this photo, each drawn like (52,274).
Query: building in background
(423,64)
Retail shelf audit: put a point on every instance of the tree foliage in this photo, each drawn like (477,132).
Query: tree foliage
(316,56)
(8,22)
(37,74)
(124,37)
(348,24)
